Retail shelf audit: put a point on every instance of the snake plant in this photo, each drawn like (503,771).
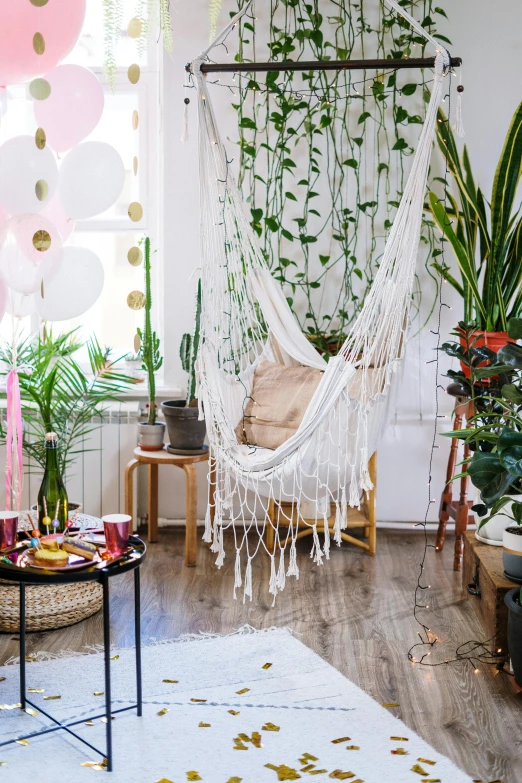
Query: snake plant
(486,236)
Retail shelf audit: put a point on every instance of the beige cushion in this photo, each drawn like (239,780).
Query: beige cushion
(280,397)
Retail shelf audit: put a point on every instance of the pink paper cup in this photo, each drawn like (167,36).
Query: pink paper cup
(117,530)
(8,529)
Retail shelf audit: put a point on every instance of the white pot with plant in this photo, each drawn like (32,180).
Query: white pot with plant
(151,432)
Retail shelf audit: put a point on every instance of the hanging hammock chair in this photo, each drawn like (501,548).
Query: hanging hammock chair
(246,320)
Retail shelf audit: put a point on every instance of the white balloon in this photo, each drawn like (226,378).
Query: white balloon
(92,176)
(20,305)
(74,289)
(28,175)
(22,264)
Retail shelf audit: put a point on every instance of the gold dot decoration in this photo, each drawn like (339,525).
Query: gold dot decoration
(39,3)
(42,241)
(38,43)
(135,256)
(135,211)
(134,73)
(135,166)
(135,120)
(41,189)
(40,139)
(134,28)
(136,300)
(137,343)
(40,89)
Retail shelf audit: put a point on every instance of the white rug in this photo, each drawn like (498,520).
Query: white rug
(310,702)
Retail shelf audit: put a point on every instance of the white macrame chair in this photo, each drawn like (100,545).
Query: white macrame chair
(246,318)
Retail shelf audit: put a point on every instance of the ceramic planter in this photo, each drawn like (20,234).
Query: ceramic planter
(186,432)
(151,436)
(492,532)
(493,340)
(512,551)
(512,601)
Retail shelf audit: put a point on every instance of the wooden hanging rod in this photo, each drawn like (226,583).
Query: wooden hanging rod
(323,65)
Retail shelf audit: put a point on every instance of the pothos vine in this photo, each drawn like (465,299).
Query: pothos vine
(322,155)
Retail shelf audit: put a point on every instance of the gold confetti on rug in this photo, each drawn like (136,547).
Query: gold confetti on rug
(270,727)
(242,691)
(198,701)
(31,658)
(193,775)
(318,772)
(234,780)
(266,666)
(36,690)
(284,772)
(306,757)
(438,780)
(163,711)
(418,769)
(171,681)
(89,723)
(51,698)
(115,657)
(11,706)
(234,712)
(204,725)
(390,705)
(399,739)
(3,763)
(341,739)
(2,679)
(164,780)
(400,752)
(427,761)
(353,747)
(98,693)
(22,742)
(338,774)
(31,712)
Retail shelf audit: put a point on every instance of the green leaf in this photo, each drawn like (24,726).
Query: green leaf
(246,122)
(364,116)
(409,89)
(400,144)
(512,393)
(351,162)
(272,223)
(290,195)
(324,260)
(515,328)
(505,185)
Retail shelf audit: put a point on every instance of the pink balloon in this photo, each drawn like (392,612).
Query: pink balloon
(59,23)
(73,109)
(55,212)
(23,260)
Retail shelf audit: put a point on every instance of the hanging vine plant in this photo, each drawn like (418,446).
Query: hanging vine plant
(323,155)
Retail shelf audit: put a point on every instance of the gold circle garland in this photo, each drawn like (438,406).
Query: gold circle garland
(134,28)
(38,43)
(135,256)
(134,73)
(137,343)
(135,119)
(40,139)
(135,211)
(39,3)
(135,166)
(42,240)
(41,189)
(136,300)
(40,89)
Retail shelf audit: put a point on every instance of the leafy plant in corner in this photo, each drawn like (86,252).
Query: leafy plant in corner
(150,342)
(189,351)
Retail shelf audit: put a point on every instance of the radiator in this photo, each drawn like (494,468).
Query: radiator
(96,478)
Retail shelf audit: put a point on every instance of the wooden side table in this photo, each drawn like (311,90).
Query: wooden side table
(154,459)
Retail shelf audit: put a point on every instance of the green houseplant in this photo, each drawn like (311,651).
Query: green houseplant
(151,431)
(186,431)
(486,236)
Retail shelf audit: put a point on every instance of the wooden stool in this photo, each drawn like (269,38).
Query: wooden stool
(154,459)
(449,508)
(365,518)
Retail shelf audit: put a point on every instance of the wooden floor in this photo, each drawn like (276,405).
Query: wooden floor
(356,612)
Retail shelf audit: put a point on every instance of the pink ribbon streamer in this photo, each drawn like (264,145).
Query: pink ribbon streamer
(14,459)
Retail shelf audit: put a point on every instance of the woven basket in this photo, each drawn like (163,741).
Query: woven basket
(47,607)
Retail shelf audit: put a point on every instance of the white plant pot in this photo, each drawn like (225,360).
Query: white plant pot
(134,370)
(151,437)
(493,531)
(512,551)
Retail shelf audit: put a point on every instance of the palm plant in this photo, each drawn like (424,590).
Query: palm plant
(486,237)
(58,395)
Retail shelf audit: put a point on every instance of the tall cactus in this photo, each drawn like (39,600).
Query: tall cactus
(150,343)
(188,350)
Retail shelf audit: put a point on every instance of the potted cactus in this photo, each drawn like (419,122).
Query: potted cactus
(186,431)
(151,431)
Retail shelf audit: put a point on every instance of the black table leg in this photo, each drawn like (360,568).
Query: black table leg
(137,630)
(107,652)
(22,645)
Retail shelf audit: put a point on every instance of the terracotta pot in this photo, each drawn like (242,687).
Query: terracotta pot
(492,340)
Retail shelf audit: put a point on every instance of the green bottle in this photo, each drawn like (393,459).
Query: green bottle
(52,495)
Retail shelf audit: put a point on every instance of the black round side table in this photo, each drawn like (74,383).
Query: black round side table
(102,573)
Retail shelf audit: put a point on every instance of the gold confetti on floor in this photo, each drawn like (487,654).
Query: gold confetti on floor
(308,768)
(399,739)
(400,752)
(89,723)
(418,769)
(98,693)
(390,705)
(338,774)
(115,657)
(11,706)
(199,701)
(204,725)
(319,772)
(234,712)
(284,772)
(353,747)
(164,780)
(51,698)
(306,757)
(163,711)
(270,727)
(438,780)
(171,681)
(22,742)
(36,690)
(341,739)
(234,780)
(242,691)
(193,775)
(427,761)
(31,712)
(266,666)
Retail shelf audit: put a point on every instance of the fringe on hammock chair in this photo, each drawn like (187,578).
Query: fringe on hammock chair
(246,319)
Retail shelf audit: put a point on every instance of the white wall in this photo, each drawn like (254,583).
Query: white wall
(487,36)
